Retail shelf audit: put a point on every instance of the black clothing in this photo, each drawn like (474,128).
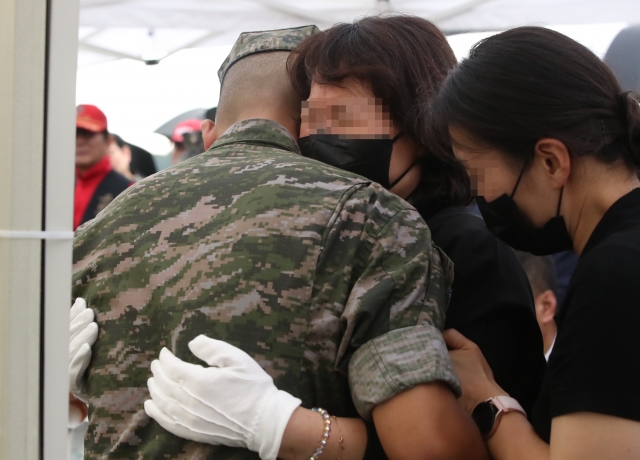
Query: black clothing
(142,162)
(565,263)
(594,365)
(111,186)
(491,301)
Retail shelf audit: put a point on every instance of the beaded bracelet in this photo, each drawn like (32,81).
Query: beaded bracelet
(325,433)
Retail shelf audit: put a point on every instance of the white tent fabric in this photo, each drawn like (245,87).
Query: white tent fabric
(131,28)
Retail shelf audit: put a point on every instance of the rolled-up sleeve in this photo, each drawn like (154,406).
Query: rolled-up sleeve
(397,361)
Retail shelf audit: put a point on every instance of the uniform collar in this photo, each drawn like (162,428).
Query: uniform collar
(623,214)
(259,131)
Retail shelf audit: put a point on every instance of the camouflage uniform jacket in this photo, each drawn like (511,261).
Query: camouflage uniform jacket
(329,281)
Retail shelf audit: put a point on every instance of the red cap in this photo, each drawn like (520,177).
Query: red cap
(91,118)
(186,126)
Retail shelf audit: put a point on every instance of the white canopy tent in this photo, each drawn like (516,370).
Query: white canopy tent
(138,98)
(38,49)
(152,28)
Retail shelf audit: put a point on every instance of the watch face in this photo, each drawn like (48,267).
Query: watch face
(485,416)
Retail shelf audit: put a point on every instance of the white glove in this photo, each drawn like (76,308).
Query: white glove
(83,333)
(233,403)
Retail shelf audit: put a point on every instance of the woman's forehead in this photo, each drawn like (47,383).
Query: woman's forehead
(346,89)
(466,145)
(364,104)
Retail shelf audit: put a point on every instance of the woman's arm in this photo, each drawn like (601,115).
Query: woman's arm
(427,422)
(303,433)
(586,435)
(576,436)
(515,438)
(579,436)
(423,422)
(247,410)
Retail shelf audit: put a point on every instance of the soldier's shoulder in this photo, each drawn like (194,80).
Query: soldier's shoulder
(386,204)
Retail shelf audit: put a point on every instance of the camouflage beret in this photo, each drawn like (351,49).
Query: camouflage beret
(267,40)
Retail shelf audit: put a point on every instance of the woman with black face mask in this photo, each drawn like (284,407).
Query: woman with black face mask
(367,87)
(553,144)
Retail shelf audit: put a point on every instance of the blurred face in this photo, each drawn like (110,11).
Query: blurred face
(348,110)
(90,148)
(120,158)
(488,170)
(178,151)
(492,174)
(351,112)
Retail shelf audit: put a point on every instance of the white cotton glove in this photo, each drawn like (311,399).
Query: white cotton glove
(232,403)
(83,332)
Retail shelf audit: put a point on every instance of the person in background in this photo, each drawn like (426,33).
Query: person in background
(131,161)
(193,145)
(542,276)
(120,156)
(187,126)
(210,114)
(565,264)
(142,162)
(97,183)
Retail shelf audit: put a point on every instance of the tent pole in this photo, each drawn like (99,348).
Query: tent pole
(62,52)
(22,60)
(36,171)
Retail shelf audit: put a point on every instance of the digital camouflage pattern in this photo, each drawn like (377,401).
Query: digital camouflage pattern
(297,263)
(267,40)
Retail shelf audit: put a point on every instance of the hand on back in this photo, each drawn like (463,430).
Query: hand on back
(233,402)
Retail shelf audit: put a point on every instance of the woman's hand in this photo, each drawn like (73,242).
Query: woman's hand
(475,374)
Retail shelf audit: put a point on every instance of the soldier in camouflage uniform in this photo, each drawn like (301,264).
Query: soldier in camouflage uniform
(317,273)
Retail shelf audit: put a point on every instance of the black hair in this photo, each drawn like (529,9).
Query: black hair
(405,59)
(529,83)
(119,141)
(142,162)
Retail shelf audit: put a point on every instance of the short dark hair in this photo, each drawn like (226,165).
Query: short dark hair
(404,59)
(119,141)
(257,80)
(529,83)
(541,272)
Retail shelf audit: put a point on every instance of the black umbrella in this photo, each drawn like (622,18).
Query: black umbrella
(623,57)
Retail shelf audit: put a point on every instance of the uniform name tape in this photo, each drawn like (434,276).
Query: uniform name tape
(35,235)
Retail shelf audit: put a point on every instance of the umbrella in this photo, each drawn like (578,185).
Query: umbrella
(623,56)
(168,127)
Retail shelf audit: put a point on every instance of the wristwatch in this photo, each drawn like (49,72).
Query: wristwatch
(487,414)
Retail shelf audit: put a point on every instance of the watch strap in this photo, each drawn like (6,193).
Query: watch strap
(504,404)
(507,404)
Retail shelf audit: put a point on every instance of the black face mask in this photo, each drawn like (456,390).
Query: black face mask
(506,221)
(370,158)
